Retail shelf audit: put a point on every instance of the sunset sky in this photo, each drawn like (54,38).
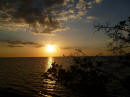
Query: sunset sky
(27,26)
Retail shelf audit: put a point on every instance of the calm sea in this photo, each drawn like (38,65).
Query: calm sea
(21,77)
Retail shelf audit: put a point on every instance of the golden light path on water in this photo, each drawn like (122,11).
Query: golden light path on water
(50,88)
(48,84)
(50,61)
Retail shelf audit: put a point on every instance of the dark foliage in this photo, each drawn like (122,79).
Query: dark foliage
(119,34)
(85,77)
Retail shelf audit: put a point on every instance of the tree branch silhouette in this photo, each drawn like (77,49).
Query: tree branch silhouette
(119,35)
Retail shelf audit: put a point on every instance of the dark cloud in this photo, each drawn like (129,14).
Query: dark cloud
(36,13)
(17,43)
(41,16)
(67,48)
(74,48)
(12,46)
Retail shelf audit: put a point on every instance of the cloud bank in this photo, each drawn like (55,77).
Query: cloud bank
(41,16)
(18,43)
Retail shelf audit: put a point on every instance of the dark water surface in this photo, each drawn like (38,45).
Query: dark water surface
(21,77)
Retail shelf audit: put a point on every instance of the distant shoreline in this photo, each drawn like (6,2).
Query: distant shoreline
(64,56)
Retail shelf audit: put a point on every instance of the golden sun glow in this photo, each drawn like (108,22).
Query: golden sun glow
(50,48)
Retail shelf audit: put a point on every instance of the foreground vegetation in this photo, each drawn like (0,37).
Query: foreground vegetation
(87,78)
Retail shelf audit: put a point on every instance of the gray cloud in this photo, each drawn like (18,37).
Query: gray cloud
(68,48)
(18,43)
(90,18)
(41,16)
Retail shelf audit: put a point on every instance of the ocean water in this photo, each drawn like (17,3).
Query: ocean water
(21,77)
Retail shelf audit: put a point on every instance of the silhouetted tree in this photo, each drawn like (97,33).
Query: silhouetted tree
(119,35)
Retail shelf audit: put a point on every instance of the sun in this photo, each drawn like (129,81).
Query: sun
(50,48)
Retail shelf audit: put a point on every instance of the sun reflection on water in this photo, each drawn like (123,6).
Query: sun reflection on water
(50,61)
(49,85)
